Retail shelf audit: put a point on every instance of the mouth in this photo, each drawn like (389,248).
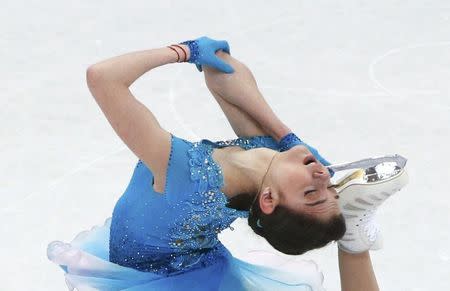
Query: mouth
(309,159)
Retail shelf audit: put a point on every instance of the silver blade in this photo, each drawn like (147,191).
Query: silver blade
(370,162)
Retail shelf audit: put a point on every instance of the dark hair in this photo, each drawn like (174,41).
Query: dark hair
(287,231)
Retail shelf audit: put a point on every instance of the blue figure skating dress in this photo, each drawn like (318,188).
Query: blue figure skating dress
(169,241)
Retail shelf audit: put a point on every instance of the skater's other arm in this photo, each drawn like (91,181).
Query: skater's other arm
(240,99)
(134,123)
(356,272)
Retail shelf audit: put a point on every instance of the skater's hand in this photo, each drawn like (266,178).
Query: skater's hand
(203,52)
(290,140)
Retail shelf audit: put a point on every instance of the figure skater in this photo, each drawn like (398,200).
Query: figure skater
(163,231)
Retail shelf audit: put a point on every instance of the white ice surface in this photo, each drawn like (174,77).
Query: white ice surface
(353,78)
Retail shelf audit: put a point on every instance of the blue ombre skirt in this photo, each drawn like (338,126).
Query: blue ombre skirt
(86,267)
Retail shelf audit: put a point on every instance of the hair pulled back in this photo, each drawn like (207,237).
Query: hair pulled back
(287,231)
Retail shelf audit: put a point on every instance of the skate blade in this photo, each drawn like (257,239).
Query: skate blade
(397,160)
(380,173)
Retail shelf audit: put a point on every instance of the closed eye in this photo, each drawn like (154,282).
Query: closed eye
(310,191)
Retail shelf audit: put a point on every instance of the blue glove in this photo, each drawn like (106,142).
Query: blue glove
(290,140)
(203,52)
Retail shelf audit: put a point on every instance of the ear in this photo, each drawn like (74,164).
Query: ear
(268,200)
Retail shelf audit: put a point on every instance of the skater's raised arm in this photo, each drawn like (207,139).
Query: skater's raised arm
(109,82)
(134,123)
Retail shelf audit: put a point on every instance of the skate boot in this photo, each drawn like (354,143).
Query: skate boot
(360,194)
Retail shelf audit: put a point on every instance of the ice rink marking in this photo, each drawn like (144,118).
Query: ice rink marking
(398,50)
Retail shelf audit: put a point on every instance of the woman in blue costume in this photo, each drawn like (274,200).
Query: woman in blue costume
(163,231)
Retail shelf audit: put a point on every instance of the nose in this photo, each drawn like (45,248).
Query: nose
(322,175)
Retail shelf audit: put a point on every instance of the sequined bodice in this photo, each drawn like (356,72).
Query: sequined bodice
(176,231)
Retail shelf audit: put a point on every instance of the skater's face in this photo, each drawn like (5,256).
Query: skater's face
(301,183)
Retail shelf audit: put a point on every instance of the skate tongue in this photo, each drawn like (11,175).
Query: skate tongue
(370,162)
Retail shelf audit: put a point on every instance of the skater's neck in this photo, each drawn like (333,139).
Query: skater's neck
(243,170)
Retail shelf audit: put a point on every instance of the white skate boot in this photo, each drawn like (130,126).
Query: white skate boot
(360,194)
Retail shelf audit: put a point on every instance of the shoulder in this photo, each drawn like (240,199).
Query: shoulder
(174,176)
(172,150)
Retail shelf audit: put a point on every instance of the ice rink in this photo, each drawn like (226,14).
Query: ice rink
(353,78)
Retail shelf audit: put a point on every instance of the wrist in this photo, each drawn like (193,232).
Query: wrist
(180,52)
(193,48)
(288,141)
(187,50)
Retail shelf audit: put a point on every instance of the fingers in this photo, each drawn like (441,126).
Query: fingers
(222,45)
(207,54)
(222,66)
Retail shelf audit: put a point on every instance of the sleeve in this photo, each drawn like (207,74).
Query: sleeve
(178,177)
